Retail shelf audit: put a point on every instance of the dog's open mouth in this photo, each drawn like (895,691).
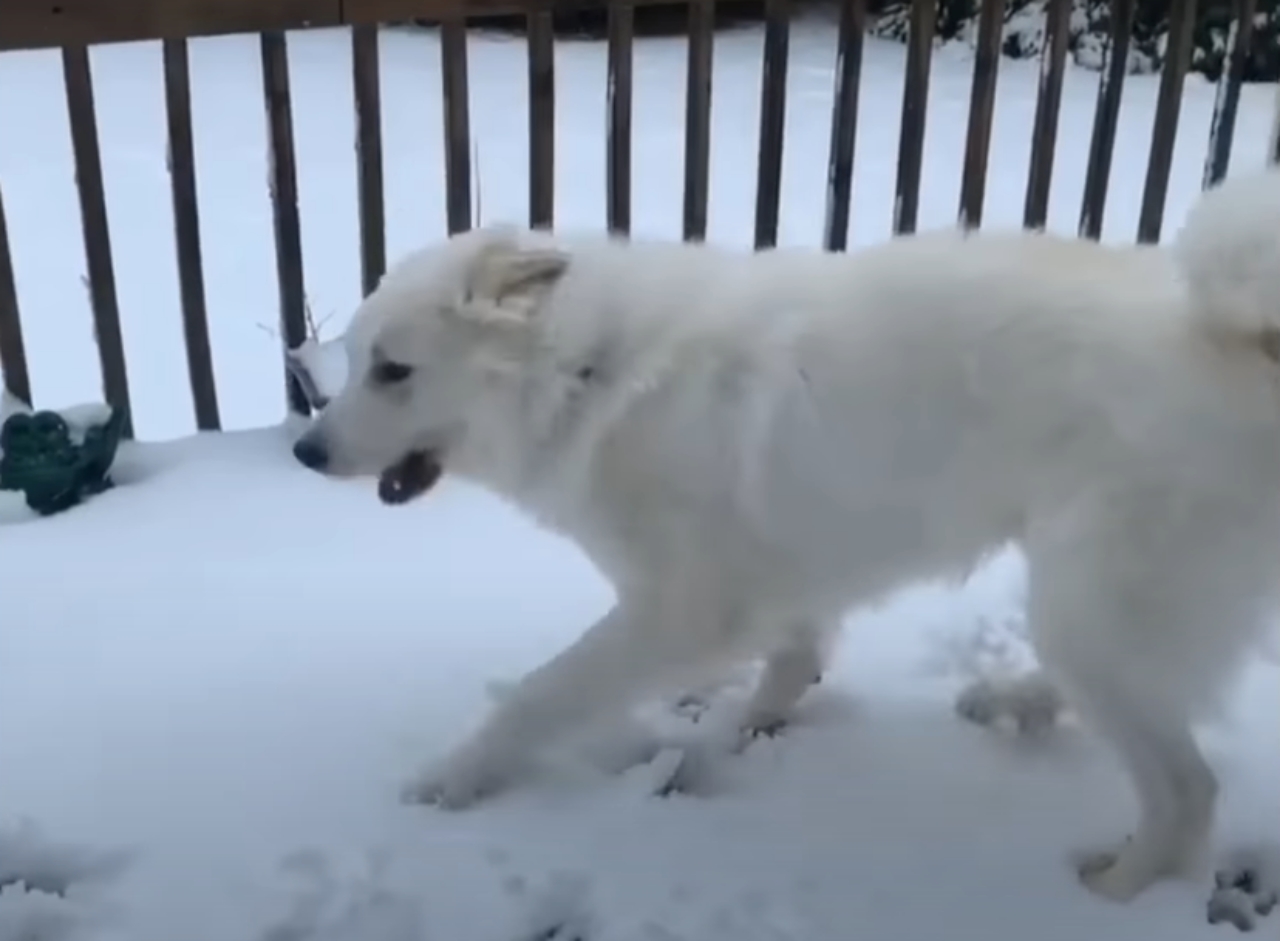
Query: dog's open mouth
(410,477)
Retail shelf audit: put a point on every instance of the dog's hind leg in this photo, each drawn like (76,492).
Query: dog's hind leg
(647,643)
(788,673)
(1110,617)
(1176,793)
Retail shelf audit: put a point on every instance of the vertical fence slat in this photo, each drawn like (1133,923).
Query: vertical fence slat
(697,119)
(1273,142)
(372,203)
(982,102)
(1107,112)
(284,205)
(457,124)
(773,114)
(97,239)
(1044,133)
(1164,131)
(618,155)
(13,352)
(915,97)
(1222,130)
(542,118)
(844,124)
(186,232)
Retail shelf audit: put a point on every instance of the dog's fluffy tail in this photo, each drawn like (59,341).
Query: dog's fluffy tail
(1229,252)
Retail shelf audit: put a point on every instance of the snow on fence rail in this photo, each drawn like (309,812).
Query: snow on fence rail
(73,25)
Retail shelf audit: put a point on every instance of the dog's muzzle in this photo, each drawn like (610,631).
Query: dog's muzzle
(311,453)
(406,479)
(409,478)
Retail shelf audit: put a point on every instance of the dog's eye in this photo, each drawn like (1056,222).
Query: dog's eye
(389,373)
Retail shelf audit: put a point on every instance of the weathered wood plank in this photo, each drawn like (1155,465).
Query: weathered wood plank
(35,24)
(284,207)
(542,119)
(367,91)
(915,98)
(982,103)
(457,125)
(619,94)
(186,232)
(1105,118)
(1222,129)
(697,119)
(1164,131)
(13,352)
(773,116)
(41,23)
(97,236)
(844,124)
(1044,130)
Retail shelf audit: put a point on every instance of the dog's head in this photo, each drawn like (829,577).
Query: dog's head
(428,352)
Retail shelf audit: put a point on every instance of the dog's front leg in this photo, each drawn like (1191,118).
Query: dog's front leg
(640,646)
(795,665)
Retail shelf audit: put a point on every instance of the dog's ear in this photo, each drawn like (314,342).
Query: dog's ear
(507,280)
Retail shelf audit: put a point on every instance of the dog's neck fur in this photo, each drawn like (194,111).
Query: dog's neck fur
(564,404)
(540,440)
(516,459)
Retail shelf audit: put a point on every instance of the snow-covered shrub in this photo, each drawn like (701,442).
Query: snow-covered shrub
(1090,26)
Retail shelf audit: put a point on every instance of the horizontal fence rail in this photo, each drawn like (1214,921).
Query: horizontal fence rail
(36,24)
(73,25)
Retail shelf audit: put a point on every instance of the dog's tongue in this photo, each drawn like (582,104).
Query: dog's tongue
(410,477)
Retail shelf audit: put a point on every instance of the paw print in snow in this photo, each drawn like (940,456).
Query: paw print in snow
(357,907)
(559,912)
(1246,888)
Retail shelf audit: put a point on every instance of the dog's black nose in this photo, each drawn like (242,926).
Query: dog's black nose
(310,453)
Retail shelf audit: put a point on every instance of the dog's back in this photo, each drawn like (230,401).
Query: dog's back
(907,407)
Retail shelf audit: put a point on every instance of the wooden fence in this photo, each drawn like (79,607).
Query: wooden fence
(73,25)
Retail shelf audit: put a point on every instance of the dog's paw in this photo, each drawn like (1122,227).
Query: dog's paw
(1031,703)
(446,790)
(757,725)
(1119,874)
(1125,872)
(461,780)
(1246,888)
(687,772)
(764,725)
(1102,874)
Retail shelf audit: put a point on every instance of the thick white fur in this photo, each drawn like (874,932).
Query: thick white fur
(750,444)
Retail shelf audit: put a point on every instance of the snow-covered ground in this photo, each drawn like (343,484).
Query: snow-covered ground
(214,678)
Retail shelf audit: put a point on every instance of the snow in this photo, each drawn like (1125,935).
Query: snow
(320,366)
(215,678)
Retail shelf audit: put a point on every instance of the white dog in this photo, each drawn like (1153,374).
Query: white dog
(750,444)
